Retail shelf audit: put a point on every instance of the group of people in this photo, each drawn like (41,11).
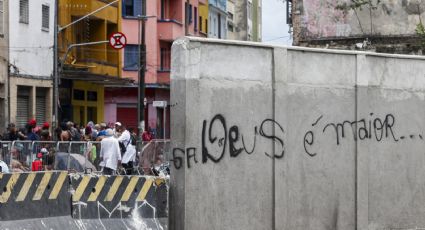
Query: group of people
(117,144)
(31,132)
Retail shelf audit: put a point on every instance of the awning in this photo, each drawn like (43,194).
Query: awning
(135,85)
(79,75)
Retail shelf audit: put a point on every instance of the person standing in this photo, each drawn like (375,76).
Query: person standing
(129,149)
(110,153)
(31,135)
(11,134)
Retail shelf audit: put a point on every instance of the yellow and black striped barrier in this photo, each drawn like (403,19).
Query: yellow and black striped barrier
(95,196)
(83,196)
(34,195)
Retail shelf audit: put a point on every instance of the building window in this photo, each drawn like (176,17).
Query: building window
(200,23)
(190,14)
(165,59)
(195,18)
(45,16)
(206,25)
(162,9)
(230,27)
(219,26)
(132,8)
(23,11)
(79,95)
(1,17)
(229,16)
(91,96)
(131,57)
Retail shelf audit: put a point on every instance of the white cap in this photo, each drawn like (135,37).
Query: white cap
(44,150)
(118,123)
(109,132)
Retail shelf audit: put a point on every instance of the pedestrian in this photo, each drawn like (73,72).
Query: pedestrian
(110,153)
(31,136)
(45,133)
(32,123)
(3,167)
(73,131)
(22,134)
(129,149)
(146,136)
(102,132)
(11,134)
(117,125)
(87,133)
(65,134)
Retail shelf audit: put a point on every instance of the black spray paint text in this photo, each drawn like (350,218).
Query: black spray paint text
(231,137)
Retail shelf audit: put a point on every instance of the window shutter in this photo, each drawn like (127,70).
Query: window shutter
(45,17)
(23,11)
(22,110)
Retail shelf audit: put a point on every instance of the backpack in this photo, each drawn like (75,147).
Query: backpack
(133,140)
(123,148)
(75,135)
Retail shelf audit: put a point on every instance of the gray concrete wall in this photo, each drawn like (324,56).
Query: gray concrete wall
(293,138)
(320,19)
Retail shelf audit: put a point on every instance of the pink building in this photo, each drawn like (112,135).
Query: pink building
(169,21)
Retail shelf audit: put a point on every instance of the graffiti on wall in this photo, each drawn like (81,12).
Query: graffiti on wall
(220,138)
(217,134)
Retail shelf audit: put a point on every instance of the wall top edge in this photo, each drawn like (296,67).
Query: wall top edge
(297,48)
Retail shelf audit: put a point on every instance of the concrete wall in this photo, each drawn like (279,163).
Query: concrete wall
(293,138)
(323,20)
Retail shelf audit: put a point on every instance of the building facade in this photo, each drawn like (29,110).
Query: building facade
(217,18)
(91,66)
(244,20)
(4,64)
(166,21)
(381,26)
(31,25)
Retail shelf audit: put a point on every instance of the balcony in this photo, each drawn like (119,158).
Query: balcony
(169,30)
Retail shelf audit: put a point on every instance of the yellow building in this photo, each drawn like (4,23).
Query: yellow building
(203,17)
(87,68)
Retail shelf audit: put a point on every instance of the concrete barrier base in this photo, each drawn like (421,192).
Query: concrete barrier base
(67,223)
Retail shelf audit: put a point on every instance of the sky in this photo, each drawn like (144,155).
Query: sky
(275,29)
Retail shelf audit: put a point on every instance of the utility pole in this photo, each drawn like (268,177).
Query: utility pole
(55,68)
(142,69)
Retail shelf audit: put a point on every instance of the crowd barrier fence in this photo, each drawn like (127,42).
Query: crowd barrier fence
(79,156)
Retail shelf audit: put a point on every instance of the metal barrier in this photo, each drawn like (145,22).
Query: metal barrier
(153,154)
(5,147)
(79,156)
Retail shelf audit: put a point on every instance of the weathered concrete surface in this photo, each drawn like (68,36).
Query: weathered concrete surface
(339,138)
(67,223)
(58,200)
(321,19)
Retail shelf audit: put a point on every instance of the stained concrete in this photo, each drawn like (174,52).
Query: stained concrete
(339,138)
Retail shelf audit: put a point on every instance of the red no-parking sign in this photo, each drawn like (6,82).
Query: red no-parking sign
(117,40)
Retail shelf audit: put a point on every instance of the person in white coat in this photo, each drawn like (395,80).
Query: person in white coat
(130,149)
(110,153)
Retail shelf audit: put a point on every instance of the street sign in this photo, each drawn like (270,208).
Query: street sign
(117,40)
(160,104)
